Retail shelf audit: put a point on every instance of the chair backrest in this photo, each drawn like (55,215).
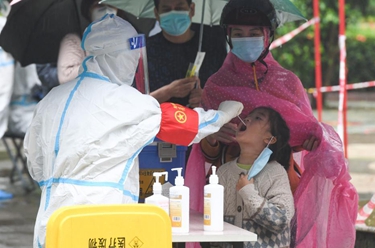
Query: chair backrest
(109,226)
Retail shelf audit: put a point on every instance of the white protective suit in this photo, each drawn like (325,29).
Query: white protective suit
(83,143)
(22,104)
(6,83)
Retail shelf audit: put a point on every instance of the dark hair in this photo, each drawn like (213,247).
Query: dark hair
(279,129)
(156,3)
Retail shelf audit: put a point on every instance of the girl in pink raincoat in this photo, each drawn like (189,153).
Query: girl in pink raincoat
(326,202)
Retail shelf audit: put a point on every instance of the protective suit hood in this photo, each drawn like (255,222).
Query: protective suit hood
(106,43)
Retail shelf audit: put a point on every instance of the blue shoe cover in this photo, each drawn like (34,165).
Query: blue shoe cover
(5,195)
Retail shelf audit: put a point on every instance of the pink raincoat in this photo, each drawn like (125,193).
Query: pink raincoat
(326,202)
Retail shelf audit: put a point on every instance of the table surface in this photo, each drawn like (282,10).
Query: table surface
(196,233)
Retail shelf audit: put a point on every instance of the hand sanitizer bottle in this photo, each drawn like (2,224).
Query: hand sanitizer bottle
(213,217)
(157,198)
(179,197)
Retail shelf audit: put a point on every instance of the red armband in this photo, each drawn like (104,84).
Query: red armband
(179,125)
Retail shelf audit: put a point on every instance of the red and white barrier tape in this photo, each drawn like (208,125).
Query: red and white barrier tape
(365,211)
(348,87)
(285,38)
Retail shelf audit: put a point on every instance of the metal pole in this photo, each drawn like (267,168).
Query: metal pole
(318,66)
(201,27)
(342,130)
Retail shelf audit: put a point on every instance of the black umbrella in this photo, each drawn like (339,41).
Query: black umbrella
(34,29)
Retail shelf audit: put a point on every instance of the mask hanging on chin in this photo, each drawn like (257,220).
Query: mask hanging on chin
(100,11)
(260,162)
(248,49)
(175,23)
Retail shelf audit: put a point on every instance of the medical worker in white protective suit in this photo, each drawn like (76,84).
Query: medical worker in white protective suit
(83,143)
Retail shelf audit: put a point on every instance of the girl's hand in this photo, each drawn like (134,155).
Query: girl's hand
(311,144)
(242,181)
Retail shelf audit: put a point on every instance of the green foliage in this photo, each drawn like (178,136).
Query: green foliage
(298,54)
(360,59)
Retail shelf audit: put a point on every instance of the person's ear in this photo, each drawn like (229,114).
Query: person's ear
(192,9)
(157,14)
(271,142)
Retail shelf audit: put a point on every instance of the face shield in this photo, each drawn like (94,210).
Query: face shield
(109,46)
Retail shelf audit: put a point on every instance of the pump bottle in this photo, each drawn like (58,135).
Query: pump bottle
(213,217)
(179,197)
(157,198)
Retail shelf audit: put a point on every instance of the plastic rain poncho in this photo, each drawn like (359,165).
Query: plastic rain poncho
(83,143)
(326,202)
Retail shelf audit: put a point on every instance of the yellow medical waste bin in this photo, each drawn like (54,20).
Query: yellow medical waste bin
(110,226)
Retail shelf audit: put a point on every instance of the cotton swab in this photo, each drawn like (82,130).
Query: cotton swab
(241,120)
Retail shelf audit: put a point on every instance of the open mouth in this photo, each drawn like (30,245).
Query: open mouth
(242,125)
(243,128)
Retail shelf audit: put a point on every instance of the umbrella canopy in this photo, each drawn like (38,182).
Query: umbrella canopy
(286,11)
(34,29)
(4,8)
(210,9)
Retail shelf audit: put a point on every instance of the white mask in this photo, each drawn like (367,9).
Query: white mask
(100,11)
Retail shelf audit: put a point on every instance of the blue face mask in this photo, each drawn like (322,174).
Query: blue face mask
(260,162)
(175,22)
(248,49)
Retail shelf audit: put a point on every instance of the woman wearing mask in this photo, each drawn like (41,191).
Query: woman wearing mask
(252,76)
(249,34)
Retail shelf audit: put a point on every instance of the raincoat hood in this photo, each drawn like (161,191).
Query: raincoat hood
(106,43)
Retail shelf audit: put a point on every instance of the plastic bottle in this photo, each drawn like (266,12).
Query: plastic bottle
(213,217)
(179,198)
(157,198)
